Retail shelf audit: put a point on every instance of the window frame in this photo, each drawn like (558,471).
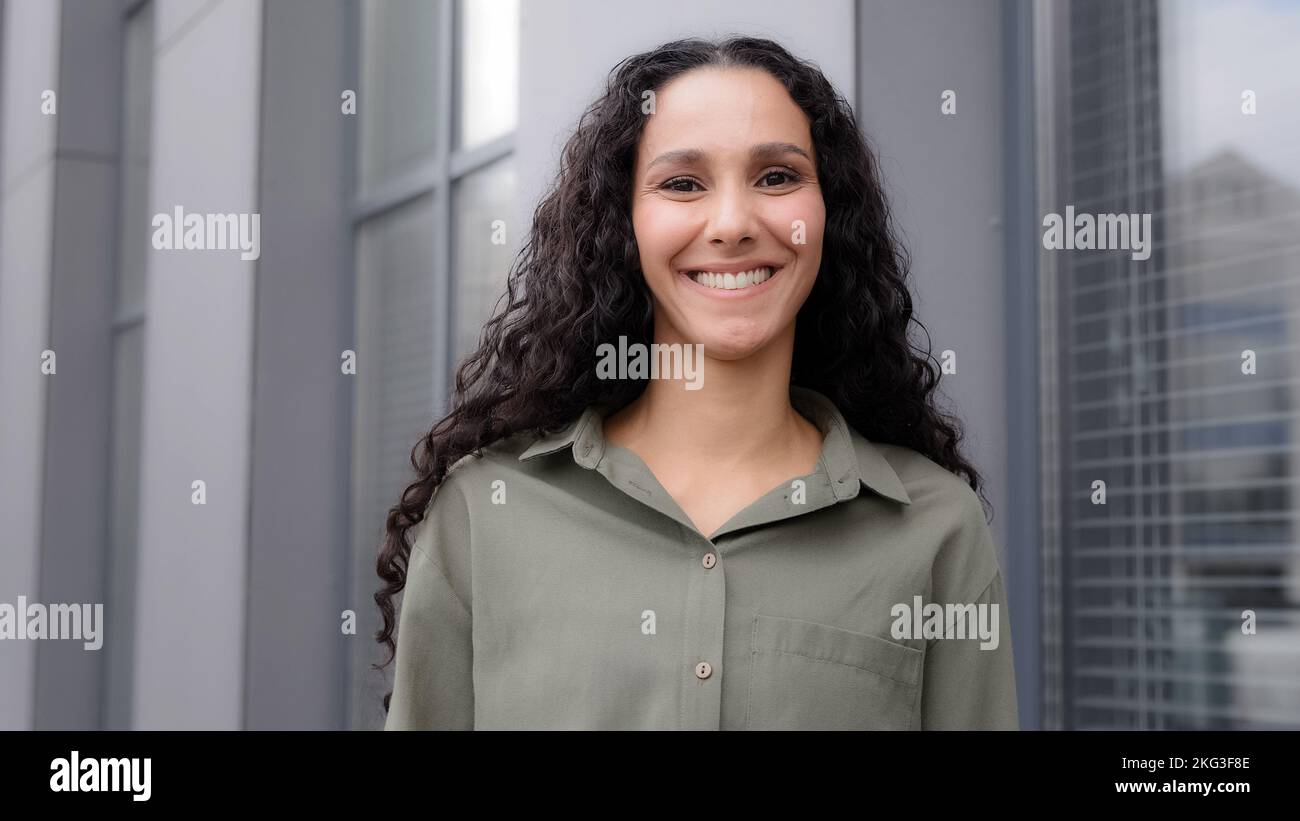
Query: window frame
(117,710)
(437,176)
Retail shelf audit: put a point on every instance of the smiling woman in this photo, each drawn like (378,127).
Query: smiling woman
(587,552)
(742,199)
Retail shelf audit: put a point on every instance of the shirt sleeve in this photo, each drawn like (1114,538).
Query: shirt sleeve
(433,679)
(970,683)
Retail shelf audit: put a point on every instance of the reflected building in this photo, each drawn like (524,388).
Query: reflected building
(1235,293)
(1145,393)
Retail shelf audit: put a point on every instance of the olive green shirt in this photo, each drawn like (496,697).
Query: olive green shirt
(555,584)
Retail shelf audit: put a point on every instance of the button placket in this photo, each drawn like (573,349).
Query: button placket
(702,630)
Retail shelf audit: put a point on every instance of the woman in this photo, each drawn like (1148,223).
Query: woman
(759,544)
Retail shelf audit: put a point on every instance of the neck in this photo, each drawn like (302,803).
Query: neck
(740,415)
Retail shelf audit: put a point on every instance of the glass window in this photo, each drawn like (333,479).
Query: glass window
(482,249)
(1155,392)
(487,89)
(396,346)
(393,401)
(399,72)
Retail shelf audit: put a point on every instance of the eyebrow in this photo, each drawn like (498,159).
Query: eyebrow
(760,151)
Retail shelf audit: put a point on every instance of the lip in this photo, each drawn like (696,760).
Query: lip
(733,268)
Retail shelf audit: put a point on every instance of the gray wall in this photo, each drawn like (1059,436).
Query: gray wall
(237,602)
(301,493)
(30,55)
(962,190)
(192,583)
(944,179)
(75,499)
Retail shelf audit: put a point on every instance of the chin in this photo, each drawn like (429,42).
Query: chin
(732,347)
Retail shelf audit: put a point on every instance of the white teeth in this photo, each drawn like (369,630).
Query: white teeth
(733,282)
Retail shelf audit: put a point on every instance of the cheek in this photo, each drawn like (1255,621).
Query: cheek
(797,221)
(662,230)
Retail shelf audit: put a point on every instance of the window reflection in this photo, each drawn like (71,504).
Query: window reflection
(482,249)
(1154,397)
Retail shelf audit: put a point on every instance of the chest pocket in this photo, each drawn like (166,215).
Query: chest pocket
(810,676)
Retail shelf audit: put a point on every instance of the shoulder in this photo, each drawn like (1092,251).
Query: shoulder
(952,516)
(458,505)
(949,515)
(477,471)
(501,453)
(934,490)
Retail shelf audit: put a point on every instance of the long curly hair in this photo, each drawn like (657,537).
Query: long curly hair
(535,366)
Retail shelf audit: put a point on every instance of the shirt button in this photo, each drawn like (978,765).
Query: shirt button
(703,670)
(710,560)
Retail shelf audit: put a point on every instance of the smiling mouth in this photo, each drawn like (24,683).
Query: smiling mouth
(739,281)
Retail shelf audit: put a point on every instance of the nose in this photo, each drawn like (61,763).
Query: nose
(733,219)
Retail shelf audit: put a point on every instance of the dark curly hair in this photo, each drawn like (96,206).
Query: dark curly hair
(535,367)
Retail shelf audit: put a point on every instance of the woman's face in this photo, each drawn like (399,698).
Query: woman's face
(726,183)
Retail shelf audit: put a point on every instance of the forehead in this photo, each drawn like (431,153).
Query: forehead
(717,109)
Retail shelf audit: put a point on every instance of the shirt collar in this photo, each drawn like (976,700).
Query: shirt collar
(851,458)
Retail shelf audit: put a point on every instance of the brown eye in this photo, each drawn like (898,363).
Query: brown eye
(676,183)
(783,177)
